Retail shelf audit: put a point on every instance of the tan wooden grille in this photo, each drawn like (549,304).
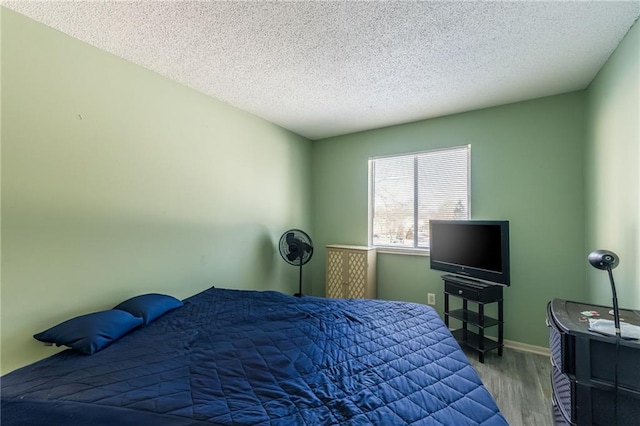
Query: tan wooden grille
(357,274)
(335,274)
(350,272)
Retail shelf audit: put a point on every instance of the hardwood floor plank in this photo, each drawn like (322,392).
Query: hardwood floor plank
(520,383)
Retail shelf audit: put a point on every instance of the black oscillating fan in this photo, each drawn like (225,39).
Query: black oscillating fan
(296,248)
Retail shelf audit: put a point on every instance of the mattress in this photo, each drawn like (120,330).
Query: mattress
(231,357)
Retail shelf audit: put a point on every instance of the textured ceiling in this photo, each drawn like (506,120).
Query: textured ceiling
(328,68)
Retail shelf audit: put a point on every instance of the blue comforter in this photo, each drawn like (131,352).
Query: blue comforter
(231,357)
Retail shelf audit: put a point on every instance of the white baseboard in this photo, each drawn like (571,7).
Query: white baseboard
(540,350)
(524,347)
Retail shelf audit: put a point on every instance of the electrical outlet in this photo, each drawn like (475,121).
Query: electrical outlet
(431,298)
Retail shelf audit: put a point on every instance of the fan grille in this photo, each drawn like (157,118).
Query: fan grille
(296,247)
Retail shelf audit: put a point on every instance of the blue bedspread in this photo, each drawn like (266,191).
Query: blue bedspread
(231,357)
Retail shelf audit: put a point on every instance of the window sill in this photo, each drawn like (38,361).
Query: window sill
(402,251)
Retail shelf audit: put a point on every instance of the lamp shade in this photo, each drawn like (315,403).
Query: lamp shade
(603,259)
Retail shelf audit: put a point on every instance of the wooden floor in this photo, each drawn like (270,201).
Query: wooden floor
(520,383)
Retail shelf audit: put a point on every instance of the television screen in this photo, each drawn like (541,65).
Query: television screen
(472,248)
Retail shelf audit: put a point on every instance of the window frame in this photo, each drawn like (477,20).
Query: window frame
(415,250)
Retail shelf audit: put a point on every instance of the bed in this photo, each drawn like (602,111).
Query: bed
(232,357)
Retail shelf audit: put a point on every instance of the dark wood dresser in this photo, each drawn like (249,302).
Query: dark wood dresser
(595,378)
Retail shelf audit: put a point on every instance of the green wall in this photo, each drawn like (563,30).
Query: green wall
(612,172)
(117,181)
(526,167)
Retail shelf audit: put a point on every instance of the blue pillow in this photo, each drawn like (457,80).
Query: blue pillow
(149,306)
(92,332)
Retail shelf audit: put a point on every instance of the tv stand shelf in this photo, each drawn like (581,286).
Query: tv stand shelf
(473,340)
(481,294)
(472,317)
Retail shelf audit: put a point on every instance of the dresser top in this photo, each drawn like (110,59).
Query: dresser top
(573,317)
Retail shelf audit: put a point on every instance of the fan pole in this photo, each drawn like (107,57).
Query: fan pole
(299,294)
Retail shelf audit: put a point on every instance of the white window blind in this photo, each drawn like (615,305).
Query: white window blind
(409,190)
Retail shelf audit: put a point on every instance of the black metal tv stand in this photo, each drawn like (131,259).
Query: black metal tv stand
(480,293)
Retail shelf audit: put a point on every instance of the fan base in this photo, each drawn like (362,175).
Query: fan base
(298,295)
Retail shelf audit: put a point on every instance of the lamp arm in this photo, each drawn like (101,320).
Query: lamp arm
(616,312)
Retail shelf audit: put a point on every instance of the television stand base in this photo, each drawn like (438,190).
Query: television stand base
(480,293)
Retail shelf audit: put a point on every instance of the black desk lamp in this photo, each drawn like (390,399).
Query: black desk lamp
(608,260)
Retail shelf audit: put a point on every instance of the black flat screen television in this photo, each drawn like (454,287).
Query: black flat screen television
(471,248)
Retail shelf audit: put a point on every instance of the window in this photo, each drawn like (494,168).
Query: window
(406,191)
